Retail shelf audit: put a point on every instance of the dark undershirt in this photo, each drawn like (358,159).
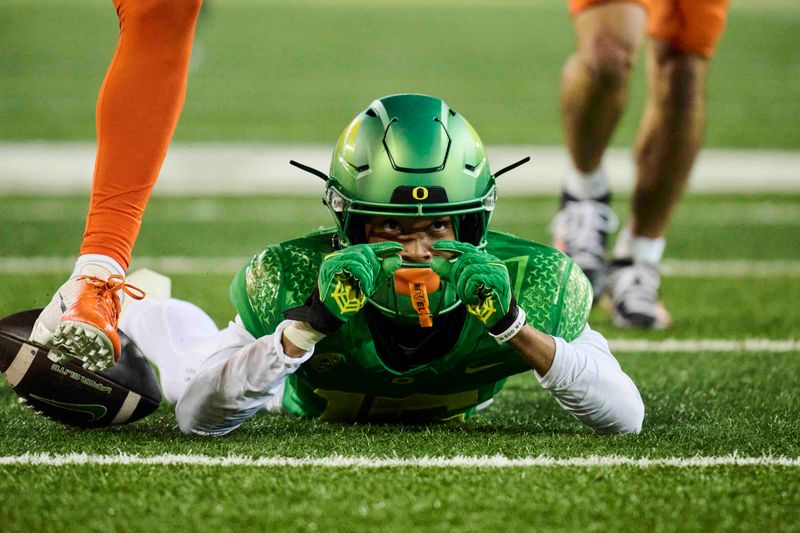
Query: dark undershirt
(403,347)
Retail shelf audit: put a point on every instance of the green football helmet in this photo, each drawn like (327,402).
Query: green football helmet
(410,155)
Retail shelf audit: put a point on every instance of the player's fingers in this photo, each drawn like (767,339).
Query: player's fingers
(443,267)
(473,278)
(361,272)
(386,249)
(467,290)
(390,264)
(453,247)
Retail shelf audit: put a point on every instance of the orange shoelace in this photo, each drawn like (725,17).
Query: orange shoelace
(114,283)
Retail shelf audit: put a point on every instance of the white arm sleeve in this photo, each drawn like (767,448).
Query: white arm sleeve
(235,382)
(586,380)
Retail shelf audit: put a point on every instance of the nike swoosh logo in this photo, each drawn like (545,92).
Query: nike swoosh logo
(61,303)
(92,409)
(474,369)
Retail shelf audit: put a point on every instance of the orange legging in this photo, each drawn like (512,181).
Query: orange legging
(137,111)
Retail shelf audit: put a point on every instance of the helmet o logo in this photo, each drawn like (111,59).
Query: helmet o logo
(419,193)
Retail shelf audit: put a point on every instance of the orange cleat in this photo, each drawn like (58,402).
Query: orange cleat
(87,328)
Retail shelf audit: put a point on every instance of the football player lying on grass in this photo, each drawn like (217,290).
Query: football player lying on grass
(410,310)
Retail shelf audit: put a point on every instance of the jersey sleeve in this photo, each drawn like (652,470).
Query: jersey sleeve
(256,292)
(279,278)
(576,304)
(548,285)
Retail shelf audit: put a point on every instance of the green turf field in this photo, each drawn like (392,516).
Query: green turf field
(284,71)
(699,403)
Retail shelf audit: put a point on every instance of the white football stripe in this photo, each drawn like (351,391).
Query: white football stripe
(20,365)
(338,461)
(127,409)
(230,265)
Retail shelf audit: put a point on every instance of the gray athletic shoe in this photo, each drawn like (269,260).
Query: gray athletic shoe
(581,229)
(632,289)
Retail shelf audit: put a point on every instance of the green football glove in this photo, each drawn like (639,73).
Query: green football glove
(346,279)
(481,281)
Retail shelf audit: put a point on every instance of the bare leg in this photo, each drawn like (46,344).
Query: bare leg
(594,83)
(670,136)
(594,91)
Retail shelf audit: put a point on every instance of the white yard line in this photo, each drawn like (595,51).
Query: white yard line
(44,168)
(619,346)
(229,265)
(162,264)
(337,461)
(734,268)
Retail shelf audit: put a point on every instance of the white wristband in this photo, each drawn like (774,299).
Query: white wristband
(302,335)
(513,329)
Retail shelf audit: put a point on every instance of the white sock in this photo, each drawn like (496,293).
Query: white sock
(639,249)
(101,266)
(586,186)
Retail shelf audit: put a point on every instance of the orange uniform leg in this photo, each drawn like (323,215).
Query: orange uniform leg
(691,26)
(137,111)
(683,34)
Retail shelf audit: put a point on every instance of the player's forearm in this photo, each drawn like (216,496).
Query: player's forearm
(234,385)
(535,348)
(587,381)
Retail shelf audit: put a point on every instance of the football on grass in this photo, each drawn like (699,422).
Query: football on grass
(68,393)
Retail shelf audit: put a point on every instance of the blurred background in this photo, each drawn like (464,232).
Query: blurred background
(286,71)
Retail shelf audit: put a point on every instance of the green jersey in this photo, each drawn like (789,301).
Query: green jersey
(347,379)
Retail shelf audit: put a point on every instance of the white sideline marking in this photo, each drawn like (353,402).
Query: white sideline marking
(229,265)
(704,345)
(496,461)
(735,268)
(54,168)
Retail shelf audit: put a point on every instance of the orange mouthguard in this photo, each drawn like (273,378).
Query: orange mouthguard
(417,283)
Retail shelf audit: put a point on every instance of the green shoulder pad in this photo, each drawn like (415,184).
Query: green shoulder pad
(577,304)
(554,293)
(279,278)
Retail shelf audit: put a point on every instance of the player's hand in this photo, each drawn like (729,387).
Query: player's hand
(481,281)
(346,279)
